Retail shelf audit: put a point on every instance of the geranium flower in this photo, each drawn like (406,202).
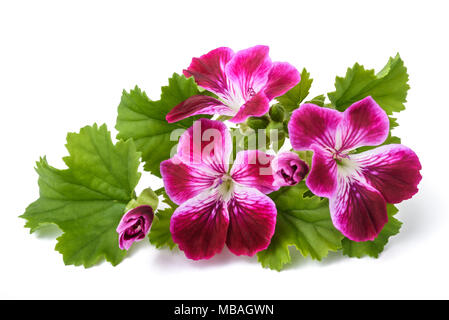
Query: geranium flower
(134,226)
(288,169)
(218,206)
(358,185)
(245,82)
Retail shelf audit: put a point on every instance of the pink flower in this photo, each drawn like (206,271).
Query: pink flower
(358,185)
(218,206)
(134,226)
(288,169)
(245,82)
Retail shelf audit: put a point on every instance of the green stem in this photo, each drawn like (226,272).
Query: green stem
(223,118)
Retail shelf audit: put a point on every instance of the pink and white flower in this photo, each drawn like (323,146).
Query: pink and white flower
(358,185)
(245,82)
(134,226)
(218,205)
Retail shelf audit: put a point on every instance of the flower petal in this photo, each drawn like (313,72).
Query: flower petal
(252,219)
(183,182)
(322,179)
(282,77)
(257,106)
(206,145)
(252,168)
(208,70)
(358,210)
(312,126)
(392,169)
(248,72)
(364,123)
(199,226)
(198,104)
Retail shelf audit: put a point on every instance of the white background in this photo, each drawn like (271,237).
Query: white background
(64,64)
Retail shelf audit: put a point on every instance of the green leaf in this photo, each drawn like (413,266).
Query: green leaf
(375,247)
(87,200)
(143,120)
(303,222)
(146,198)
(292,98)
(306,156)
(388,87)
(160,235)
(318,100)
(393,123)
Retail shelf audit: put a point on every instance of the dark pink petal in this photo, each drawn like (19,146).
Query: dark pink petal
(312,126)
(252,219)
(257,106)
(252,168)
(248,71)
(198,105)
(358,210)
(199,226)
(288,169)
(322,179)
(134,226)
(364,123)
(208,70)
(206,145)
(183,182)
(282,77)
(392,169)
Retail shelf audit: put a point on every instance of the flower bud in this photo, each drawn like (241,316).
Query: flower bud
(277,113)
(288,169)
(135,223)
(134,226)
(258,122)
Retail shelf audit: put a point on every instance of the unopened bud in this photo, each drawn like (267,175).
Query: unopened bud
(277,113)
(258,122)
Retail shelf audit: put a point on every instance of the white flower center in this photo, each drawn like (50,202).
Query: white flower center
(345,165)
(235,99)
(225,186)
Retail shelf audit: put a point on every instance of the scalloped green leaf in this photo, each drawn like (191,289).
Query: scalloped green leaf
(292,98)
(388,87)
(87,200)
(303,221)
(375,247)
(143,120)
(160,235)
